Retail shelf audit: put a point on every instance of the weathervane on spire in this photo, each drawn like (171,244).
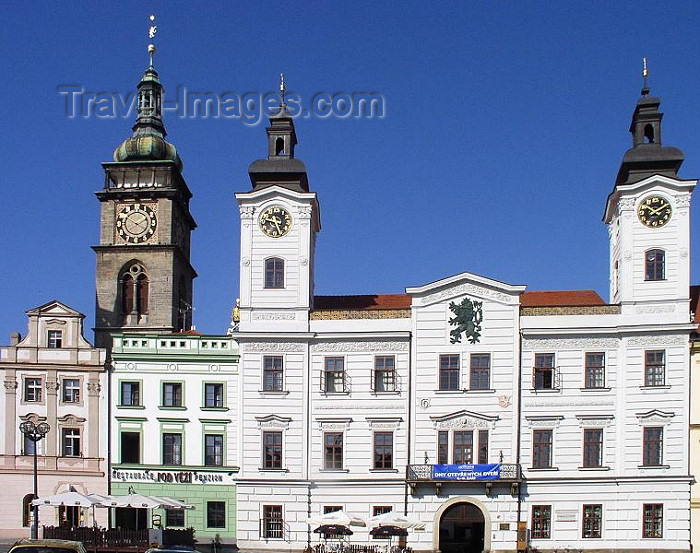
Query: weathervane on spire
(152,33)
(645,74)
(282,87)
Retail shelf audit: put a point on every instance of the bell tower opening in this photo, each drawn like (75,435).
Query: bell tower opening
(462,529)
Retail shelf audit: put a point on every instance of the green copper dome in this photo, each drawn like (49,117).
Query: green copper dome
(147,146)
(148,141)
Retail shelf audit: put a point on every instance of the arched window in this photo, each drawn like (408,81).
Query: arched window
(274,273)
(135,291)
(655,261)
(27,509)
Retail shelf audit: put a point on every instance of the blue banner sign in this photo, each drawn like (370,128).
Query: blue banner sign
(466,472)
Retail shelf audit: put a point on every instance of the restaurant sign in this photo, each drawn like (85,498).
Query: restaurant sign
(158,476)
(467,472)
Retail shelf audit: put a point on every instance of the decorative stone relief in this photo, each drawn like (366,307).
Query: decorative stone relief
(55,322)
(274,316)
(304,211)
(11,385)
(383,424)
(653,310)
(93,388)
(625,204)
(131,366)
(586,421)
(214,368)
(71,420)
(569,343)
(683,253)
(425,403)
(359,346)
(172,367)
(245,261)
(655,417)
(627,255)
(274,423)
(504,401)
(556,403)
(52,385)
(471,290)
(304,261)
(272,346)
(247,211)
(552,422)
(338,406)
(683,201)
(464,422)
(648,341)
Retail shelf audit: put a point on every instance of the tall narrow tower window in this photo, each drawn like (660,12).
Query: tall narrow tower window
(279,146)
(649,133)
(655,261)
(135,291)
(274,273)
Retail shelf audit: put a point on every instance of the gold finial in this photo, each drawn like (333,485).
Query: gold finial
(152,30)
(645,74)
(282,88)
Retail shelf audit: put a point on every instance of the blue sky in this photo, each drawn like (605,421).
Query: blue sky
(504,128)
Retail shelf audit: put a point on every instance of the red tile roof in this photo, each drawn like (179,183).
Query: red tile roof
(381,301)
(562,298)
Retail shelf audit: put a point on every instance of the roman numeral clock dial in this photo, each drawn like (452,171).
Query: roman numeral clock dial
(275,221)
(136,223)
(654,211)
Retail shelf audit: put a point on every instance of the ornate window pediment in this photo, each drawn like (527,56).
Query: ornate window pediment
(334,423)
(384,423)
(273,421)
(464,419)
(655,417)
(71,420)
(544,421)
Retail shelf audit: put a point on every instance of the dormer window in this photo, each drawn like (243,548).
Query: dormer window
(55,339)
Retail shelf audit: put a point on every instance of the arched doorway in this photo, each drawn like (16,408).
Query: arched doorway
(462,529)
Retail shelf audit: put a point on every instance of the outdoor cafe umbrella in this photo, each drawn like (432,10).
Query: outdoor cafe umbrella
(339,517)
(71,499)
(393,519)
(388,532)
(333,530)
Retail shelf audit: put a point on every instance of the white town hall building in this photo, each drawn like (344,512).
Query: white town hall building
(474,407)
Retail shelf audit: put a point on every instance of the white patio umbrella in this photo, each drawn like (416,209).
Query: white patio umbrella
(137,501)
(170,503)
(392,519)
(336,517)
(66,499)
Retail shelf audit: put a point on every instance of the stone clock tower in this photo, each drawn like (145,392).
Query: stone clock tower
(647,215)
(144,275)
(279,222)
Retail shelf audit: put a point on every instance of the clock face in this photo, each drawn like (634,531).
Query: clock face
(275,221)
(136,223)
(654,211)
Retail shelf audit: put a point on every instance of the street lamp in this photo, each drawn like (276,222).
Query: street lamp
(35,432)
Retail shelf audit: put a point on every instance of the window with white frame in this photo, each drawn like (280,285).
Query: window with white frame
(172,394)
(213,450)
(653,446)
(463,444)
(544,372)
(595,370)
(542,446)
(32,390)
(70,442)
(592,447)
(272,523)
(130,395)
(55,339)
(383,450)
(384,378)
(592,526)
(653,520)
(654,367)
(449,373)
(172,448)
(70,390)
(333,450)
(272,449)
(334,379)
(213,394)
(273,373)
(479,371)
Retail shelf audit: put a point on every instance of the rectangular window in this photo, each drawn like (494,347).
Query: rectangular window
(653,446)
(449,372)
(174,518)
(541,449)
(381,510)
(654,265)
(130,395)
(483,447)
(70,442)
(213,450)
(334,375)
(541,522)
(653,523)
(272,450)
(463,447)
(593,447)
(272,373)
(479,371)
(70,390)
(383,450)
(384,379)
(443,447)
(32,389)
(333,450)
(654,367)
(274,273)
(272,522)
(172,394)
(331,509)
(213,394)
(543,377)
(216,514)
(130,447)
(172,449)
(595,370)
(55,339)
(592,521)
